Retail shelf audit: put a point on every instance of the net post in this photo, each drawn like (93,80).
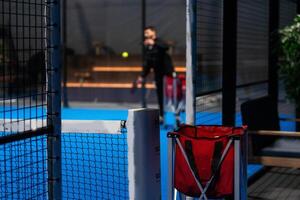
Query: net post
(191,59)
(143,139)
(54,102)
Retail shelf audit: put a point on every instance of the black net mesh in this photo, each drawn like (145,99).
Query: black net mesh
(252,41)
(209,61)
(22,60)
(252,52)
(252,61)
(95,166)
(23,104)
(252,55)
(287,12)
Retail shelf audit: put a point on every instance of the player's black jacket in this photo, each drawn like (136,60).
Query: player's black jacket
(156,57)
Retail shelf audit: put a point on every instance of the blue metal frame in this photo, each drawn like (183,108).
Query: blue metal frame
(54,102)
(274,9)
(230,13)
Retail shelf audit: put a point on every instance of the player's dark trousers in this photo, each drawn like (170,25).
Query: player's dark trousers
(160,95)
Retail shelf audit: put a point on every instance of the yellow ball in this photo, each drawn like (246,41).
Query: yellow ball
(125,54)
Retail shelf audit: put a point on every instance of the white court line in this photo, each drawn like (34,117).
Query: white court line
(93,126)
(7,101)
(68,126)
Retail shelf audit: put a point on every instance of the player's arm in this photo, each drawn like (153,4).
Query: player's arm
(145,71)
(146,65)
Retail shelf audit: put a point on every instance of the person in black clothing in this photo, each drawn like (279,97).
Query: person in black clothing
(156,58)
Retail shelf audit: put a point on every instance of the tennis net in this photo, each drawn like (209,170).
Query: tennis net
(23,169)
(95,161)
(26,29)
(112,159)
(116,159)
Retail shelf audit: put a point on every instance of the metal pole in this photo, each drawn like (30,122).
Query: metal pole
(229,62)
(171,166)
(191,65)
(144,104)
(244,153)
(298,109)
(273,46)
(237,169)
(191,60)
(54,103)
(64,54)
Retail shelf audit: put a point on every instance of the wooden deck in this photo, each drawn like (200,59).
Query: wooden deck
(276,184)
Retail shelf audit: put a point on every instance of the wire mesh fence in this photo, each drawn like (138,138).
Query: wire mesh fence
(208,75)
(23,38)
(254,43)
(25,59)
(287,12)
(23,169)
(209,109)
(253,53)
